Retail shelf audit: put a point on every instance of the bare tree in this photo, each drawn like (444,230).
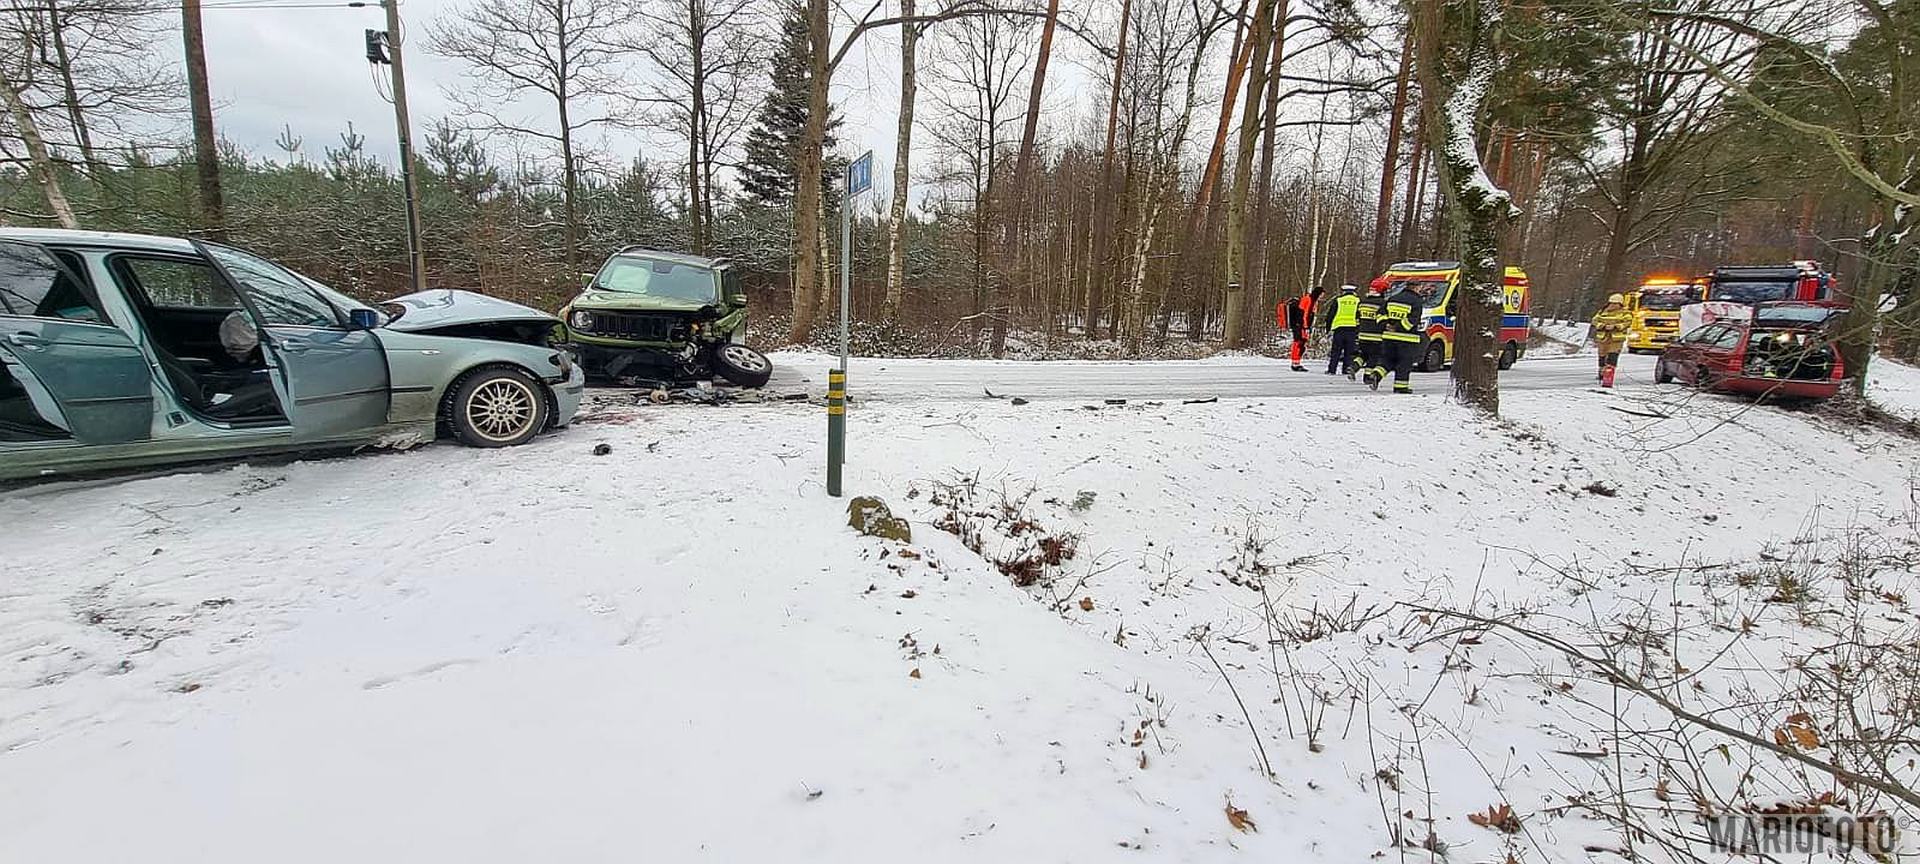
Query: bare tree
(981,61)
(1662,115)
(902,158)
(1099,275)
(1022,178)
(39,159)
(705,55)
(1171,41)
(565,54)
(1269,20)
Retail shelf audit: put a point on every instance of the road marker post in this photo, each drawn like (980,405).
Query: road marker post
(836,428)
(859,179)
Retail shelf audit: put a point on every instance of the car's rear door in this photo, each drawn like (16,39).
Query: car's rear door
(56,335)
(335,378)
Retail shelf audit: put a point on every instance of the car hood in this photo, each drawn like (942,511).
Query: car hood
(624,301)
(443,307)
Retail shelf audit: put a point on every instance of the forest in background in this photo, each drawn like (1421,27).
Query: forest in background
(1227,157)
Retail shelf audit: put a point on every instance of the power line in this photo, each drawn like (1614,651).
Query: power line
(284,4)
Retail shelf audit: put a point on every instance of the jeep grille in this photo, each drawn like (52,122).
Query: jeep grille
(640,327)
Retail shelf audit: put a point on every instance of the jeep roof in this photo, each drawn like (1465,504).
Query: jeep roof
(675,257)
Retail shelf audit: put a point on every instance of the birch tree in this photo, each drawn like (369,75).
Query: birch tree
(902,160)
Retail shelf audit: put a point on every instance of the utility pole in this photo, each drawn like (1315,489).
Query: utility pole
(416,256)
(213,211)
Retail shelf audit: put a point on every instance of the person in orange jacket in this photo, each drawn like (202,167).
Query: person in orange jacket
(1297,315)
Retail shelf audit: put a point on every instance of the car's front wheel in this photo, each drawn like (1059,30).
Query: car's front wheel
(741,366)
(497,407)
(1436,359)
(1509,355)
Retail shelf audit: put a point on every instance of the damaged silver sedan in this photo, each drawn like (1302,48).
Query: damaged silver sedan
(122,350)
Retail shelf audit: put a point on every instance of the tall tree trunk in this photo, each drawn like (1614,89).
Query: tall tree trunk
(807,286)
(42,161)
(1233,317)
(206,155)
(902,151)
(1016,207)
(1416,188)
(1243,49)
(1619,233)
(1269,133)
(70,94)
(1389,169)
(1484,209)
(696,123)
(1100,274)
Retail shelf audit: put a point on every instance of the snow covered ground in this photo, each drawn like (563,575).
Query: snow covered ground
(1895,387)
(678,650)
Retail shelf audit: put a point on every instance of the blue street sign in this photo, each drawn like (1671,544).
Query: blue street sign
(860,174)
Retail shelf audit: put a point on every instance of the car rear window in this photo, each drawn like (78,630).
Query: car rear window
(33,284)
(1790,316)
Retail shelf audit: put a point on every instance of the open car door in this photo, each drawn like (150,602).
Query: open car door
(56,341)
(333,379)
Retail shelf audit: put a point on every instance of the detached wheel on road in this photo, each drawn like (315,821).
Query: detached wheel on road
(1509,355)
(497,407)
(741,366)
(1661,375)
(1436,358)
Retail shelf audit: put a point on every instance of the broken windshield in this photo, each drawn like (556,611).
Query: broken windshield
(664,279)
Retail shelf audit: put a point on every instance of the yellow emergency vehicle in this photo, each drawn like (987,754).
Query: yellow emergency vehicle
(1655,307)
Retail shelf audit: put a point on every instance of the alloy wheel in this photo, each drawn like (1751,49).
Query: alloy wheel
(501,409)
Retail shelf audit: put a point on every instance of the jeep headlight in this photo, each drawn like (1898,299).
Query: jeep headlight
(581,319)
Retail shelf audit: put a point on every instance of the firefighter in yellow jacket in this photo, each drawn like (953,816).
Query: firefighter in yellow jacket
(1609,334)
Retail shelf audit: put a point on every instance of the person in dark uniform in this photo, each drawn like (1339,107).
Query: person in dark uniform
(1368,337)
(1400,339)
(1345,324)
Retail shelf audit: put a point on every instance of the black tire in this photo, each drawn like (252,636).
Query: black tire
(1436,359)
(740,365)
(1660,373)
(1509,355)
(498,406)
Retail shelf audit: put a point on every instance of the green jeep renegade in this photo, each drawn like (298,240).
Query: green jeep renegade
(663,315)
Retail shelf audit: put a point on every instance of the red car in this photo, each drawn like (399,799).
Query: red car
(1784,351)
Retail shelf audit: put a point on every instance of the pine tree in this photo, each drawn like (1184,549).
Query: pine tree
(768,172)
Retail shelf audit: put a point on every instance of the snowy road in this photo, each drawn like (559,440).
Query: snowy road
(884,379)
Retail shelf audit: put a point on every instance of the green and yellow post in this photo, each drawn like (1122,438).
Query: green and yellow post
(836,428)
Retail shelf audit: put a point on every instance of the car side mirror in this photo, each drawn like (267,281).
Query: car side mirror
(736,300)
(362,319)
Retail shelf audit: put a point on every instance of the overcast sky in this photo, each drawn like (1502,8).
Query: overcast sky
(305,69)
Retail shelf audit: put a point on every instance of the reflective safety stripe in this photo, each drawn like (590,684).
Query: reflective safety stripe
(1400,337)
(1370,336)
